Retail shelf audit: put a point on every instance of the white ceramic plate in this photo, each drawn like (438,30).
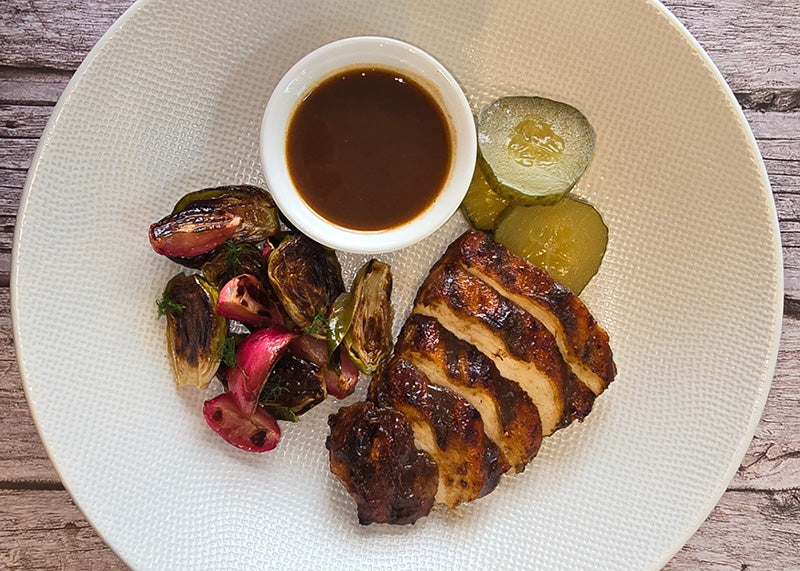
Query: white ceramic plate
(690,290)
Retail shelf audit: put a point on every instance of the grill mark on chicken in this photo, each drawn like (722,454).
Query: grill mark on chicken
(372,452)
(445,426)
(583,343)
(520,346)
(509,416)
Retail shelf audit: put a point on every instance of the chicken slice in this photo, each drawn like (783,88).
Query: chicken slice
(372,452)
(445,426)
(509,416)
(522,349)
(583,343)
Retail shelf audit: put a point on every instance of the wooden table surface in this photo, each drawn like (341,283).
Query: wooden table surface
(756,45)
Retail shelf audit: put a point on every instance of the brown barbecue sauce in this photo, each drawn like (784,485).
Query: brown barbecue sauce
(369,149)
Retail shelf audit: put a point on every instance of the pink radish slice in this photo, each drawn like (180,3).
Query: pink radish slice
(244,299)
(257,432)
(255,358)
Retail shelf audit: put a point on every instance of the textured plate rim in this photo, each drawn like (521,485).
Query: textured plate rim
(745,438)
(758,406)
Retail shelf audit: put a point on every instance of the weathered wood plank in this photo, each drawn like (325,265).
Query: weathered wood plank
(772,461)
(43,529)
(755,43)
(17,153)
(32,86)
(23,121)
(64,31)
(748,531)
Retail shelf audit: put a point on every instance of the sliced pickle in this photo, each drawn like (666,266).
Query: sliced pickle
(482,205)
(567,239)
(533,150)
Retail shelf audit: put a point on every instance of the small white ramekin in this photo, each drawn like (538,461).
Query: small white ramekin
(384,53)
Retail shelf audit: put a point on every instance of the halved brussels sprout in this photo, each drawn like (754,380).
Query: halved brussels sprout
(369,339)
(256,432)
(195,332)
(234,259)
(294,386)
(203,220)
(307,279)
(253,204)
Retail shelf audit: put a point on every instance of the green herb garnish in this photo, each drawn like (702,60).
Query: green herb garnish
(319,326)
(271,392)
(233,253)
(227,352)
(168,306)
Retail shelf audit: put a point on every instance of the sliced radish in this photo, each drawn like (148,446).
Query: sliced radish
(258,432)
(255,358)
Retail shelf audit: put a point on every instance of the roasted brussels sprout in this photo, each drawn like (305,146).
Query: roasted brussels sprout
(338,371)
(256,432)
(255,358)
(307,279)
(234,259)
(203,220)
(369,339)
(294,386)
(252,204)
(195,332)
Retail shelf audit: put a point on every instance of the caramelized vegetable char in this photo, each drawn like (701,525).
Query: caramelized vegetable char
(445,426)
(510,417)
(372,451)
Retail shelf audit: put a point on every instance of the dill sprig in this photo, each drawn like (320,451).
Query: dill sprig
(233,253)
(227,352)
(168,306)
(319,326)
(271,392)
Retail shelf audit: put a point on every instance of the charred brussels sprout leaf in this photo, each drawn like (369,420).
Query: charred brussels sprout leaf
(369,338)
(306,277)
(195,334)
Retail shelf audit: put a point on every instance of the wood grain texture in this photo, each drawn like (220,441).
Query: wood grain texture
(755,44)
(42,529)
